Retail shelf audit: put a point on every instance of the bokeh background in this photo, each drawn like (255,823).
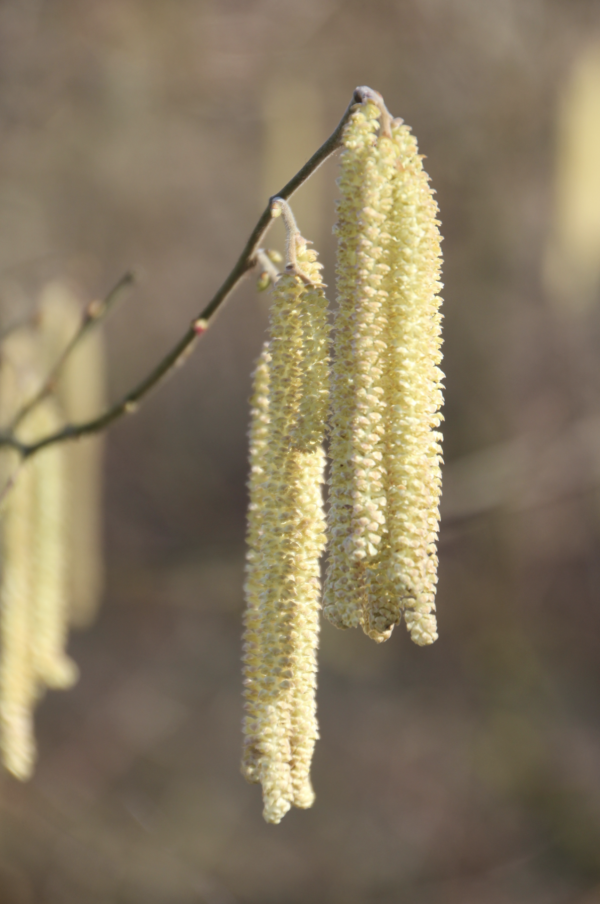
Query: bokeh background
(146,134)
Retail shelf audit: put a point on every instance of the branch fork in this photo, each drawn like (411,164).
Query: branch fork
(251,255)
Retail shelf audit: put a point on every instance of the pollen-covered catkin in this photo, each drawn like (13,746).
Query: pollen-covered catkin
(80,392)
(386,385)
(50,553)
(356,492)
(18,679)
(404,578)
(33,588)
(253,652)
(285,541)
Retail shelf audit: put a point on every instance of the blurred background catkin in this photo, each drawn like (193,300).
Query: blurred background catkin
(150,134)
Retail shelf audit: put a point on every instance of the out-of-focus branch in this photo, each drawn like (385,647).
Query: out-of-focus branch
(178,354)
(94,314)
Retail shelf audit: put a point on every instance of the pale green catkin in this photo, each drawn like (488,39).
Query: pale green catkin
(386,388)
(18,683)
(285,541)
(413,393)
(80,392)
(33,588)
(253,648)
(18,679)
(356,497)
(50,553)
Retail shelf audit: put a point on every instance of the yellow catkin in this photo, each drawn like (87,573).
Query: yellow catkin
(355,484)
(386,386)
(49,552)
(285,540)
(403,578)
(253,650)
(18,680)
(80,391)
(33,589)
(18,684)
(308,439)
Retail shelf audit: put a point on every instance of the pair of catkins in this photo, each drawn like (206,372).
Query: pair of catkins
(50,563)
(377,399)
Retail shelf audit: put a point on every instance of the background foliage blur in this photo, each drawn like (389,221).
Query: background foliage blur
(150,134)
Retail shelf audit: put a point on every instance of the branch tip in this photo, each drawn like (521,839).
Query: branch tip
(94,309)
(246,261)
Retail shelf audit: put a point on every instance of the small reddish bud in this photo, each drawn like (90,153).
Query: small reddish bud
(94,309)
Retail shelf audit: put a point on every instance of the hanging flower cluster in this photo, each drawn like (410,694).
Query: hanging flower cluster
(48,529)
(386,386)
(286,534)
(385,450)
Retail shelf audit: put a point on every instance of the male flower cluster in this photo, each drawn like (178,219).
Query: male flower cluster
(384,394)
(49,537)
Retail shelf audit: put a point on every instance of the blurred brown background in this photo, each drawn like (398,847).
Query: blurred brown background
(150,134)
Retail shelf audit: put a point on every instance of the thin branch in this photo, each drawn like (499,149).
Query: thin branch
(94,314)
(181,350)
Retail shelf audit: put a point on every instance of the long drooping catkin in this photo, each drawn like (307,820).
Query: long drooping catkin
(80,392)
(405,573)
(50,553)
(18,679)
(253,616)
(356,498)
(386,386)
(308,438)
(286,538)
(33,589)
(18,682)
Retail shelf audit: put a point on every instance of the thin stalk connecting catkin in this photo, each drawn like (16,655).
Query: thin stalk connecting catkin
(286,538)
(386,385)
